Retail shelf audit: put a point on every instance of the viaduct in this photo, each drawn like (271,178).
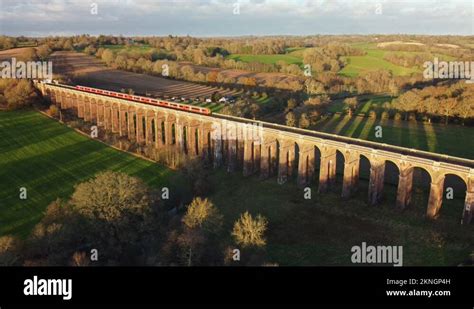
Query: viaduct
(268,149)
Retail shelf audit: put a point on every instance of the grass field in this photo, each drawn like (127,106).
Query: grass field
(322,231)
(434,137)
(367,103)
(48,159)
(373,60)
(268,59)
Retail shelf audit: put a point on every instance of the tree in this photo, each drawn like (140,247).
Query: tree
(351,104)
(291,119)
(90,50)
(202,213)
(80,259)
(212,76)
(19,94)
(198,238)
(448,107)
(43,52)
(249,231)
(304,121)
(465,109)
(108,56)
(9,251)
(110,197)
(291,104)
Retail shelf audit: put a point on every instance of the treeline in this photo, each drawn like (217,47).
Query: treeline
(323,83)
(7,42)
(408,60)
(306,114)
(17,93)
(448,101)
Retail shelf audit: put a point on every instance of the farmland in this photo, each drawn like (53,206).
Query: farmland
(90,71)
(268,59)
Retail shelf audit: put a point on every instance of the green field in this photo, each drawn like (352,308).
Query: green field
(373,60)
(268,59)
(367,103)
(322,231)
(48,159)
(433,137)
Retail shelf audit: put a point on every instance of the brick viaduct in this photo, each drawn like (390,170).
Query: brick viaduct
(278,151)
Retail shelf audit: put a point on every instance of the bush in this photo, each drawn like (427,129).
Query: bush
(412,117)
(202,213)
(9,251)
(249,231)
(53,111)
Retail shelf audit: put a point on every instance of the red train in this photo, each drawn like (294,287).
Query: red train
(136,98)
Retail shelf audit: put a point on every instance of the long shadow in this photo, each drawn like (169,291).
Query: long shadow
(431,137)
(347,125)
(28,130)
(54,174)
(358,131)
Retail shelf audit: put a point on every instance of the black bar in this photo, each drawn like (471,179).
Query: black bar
(231,285)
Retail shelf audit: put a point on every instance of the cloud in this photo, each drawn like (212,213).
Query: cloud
(215,17)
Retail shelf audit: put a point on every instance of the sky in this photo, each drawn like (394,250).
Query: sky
(204,18)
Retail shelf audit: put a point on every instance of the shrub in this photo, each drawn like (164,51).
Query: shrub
(53,110)
(249,231)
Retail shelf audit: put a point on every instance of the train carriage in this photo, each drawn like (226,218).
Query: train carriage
(145,100)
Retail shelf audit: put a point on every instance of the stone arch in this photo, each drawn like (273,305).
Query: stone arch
(162,125)
(150,129)
(350,174)
(195,140)
(268,157)
(185,137)
(454,194)
(173,134)
(306,163)
(391,179)
(93,108)
(339,168)
(327,168)
(364,172)
(286,158)
(422,183)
